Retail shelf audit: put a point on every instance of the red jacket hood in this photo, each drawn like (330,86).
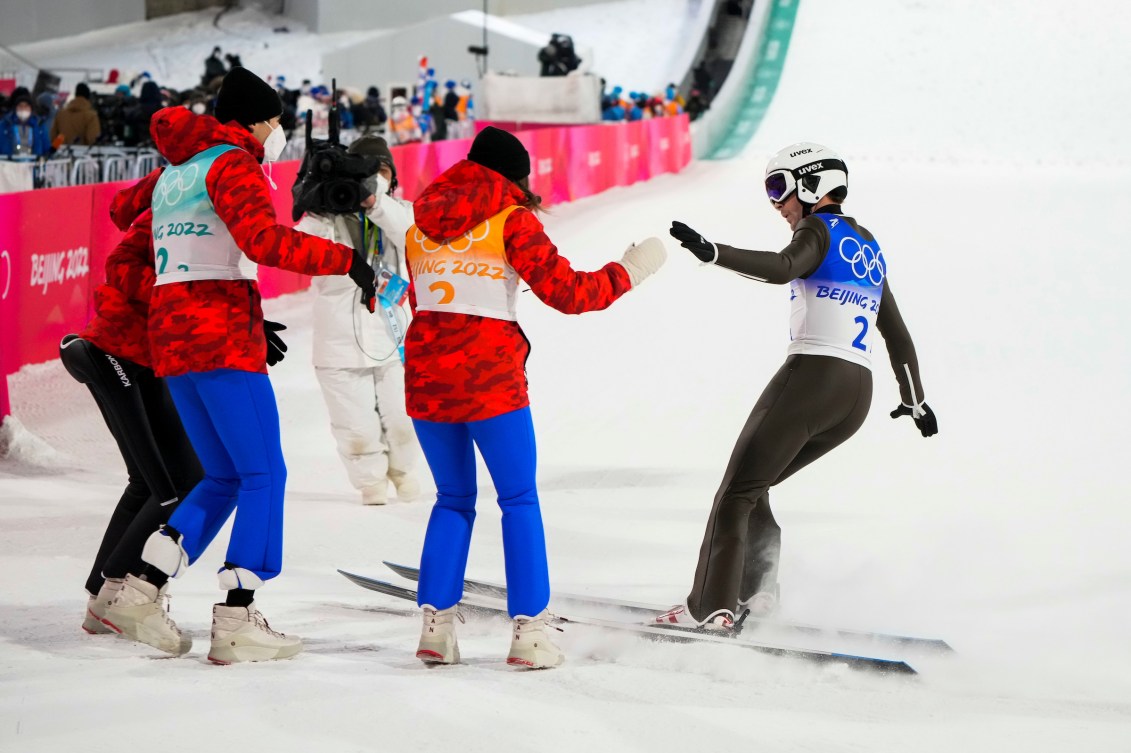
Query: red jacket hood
(180,134)
(465,195)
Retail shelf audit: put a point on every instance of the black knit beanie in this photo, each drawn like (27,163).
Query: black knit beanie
(82,90)
(502,152)
(246,98)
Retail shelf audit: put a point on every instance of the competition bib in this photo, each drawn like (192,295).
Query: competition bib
(189,240)
(833,312)
(468,275)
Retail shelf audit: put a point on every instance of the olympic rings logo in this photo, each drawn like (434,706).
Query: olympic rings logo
(464,241)
(173,186)
(866,262)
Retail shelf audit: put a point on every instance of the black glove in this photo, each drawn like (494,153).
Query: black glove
(923,416)
(706,251)
(276,348)
(365,278)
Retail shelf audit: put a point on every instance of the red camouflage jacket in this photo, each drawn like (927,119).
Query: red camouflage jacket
(460,367)
(204,325)
(121,304)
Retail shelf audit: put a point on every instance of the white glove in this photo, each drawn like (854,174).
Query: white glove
(643,259)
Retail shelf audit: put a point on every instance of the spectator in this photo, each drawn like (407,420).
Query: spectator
(139,116)
(77,123)
(370,114)
(697,104)
(704,81)
(402,125)
(214,68)
(22,134)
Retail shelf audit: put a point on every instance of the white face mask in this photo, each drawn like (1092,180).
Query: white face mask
(23,114)
(274,144)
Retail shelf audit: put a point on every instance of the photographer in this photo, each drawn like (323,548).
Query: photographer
(357,357)
(558,58)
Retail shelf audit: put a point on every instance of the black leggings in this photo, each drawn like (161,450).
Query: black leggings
(160,460)
(811,405)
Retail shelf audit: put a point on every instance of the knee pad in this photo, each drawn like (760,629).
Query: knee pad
(232,577)
(163,550)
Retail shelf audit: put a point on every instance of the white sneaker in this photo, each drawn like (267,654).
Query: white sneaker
(761,605)
(438,643)
(720,620)
(408,488)
(378,494)
(531,646)
(242,634)
(96,607)
(139,612)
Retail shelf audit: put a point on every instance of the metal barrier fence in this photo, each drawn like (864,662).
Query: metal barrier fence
(77,166)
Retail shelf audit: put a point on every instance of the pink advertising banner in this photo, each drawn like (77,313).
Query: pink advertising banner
(54,242)
(44,270)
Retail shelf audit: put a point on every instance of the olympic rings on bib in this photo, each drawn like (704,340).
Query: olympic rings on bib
(866,262)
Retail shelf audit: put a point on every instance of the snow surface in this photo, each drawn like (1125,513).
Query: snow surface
(984,147)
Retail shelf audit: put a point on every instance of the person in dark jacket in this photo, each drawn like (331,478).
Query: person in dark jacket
(840,295)
(77,122)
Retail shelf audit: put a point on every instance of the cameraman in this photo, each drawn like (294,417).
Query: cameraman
(358,357)
(558,58)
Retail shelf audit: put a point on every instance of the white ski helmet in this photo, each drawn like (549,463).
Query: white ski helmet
(399,102)
(812,170)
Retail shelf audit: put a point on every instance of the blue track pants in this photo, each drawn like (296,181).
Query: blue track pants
(507,445)
(233,422)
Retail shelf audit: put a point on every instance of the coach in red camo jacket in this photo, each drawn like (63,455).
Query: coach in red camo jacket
(476,236)
(212,207)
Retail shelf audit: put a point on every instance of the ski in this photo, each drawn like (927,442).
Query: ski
(658,633)
(777,628)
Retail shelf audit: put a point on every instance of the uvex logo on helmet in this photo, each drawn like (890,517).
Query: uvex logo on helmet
(810,168)
(798,153)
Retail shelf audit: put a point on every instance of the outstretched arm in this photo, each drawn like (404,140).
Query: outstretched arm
(800,258)
(549,274)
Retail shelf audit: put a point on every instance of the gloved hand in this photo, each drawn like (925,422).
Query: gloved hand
(642,259)
(706,251)
(922,415)
(276,348)
(365,278)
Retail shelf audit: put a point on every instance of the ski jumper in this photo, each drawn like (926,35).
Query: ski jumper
(111,357)
(465,364)
(820,396)
(211,208)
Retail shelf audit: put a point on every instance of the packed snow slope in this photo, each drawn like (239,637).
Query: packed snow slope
(985,153)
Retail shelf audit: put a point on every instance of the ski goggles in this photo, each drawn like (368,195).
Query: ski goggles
(779,185)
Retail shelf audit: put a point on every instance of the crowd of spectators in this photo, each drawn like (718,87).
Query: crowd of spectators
(617,105)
